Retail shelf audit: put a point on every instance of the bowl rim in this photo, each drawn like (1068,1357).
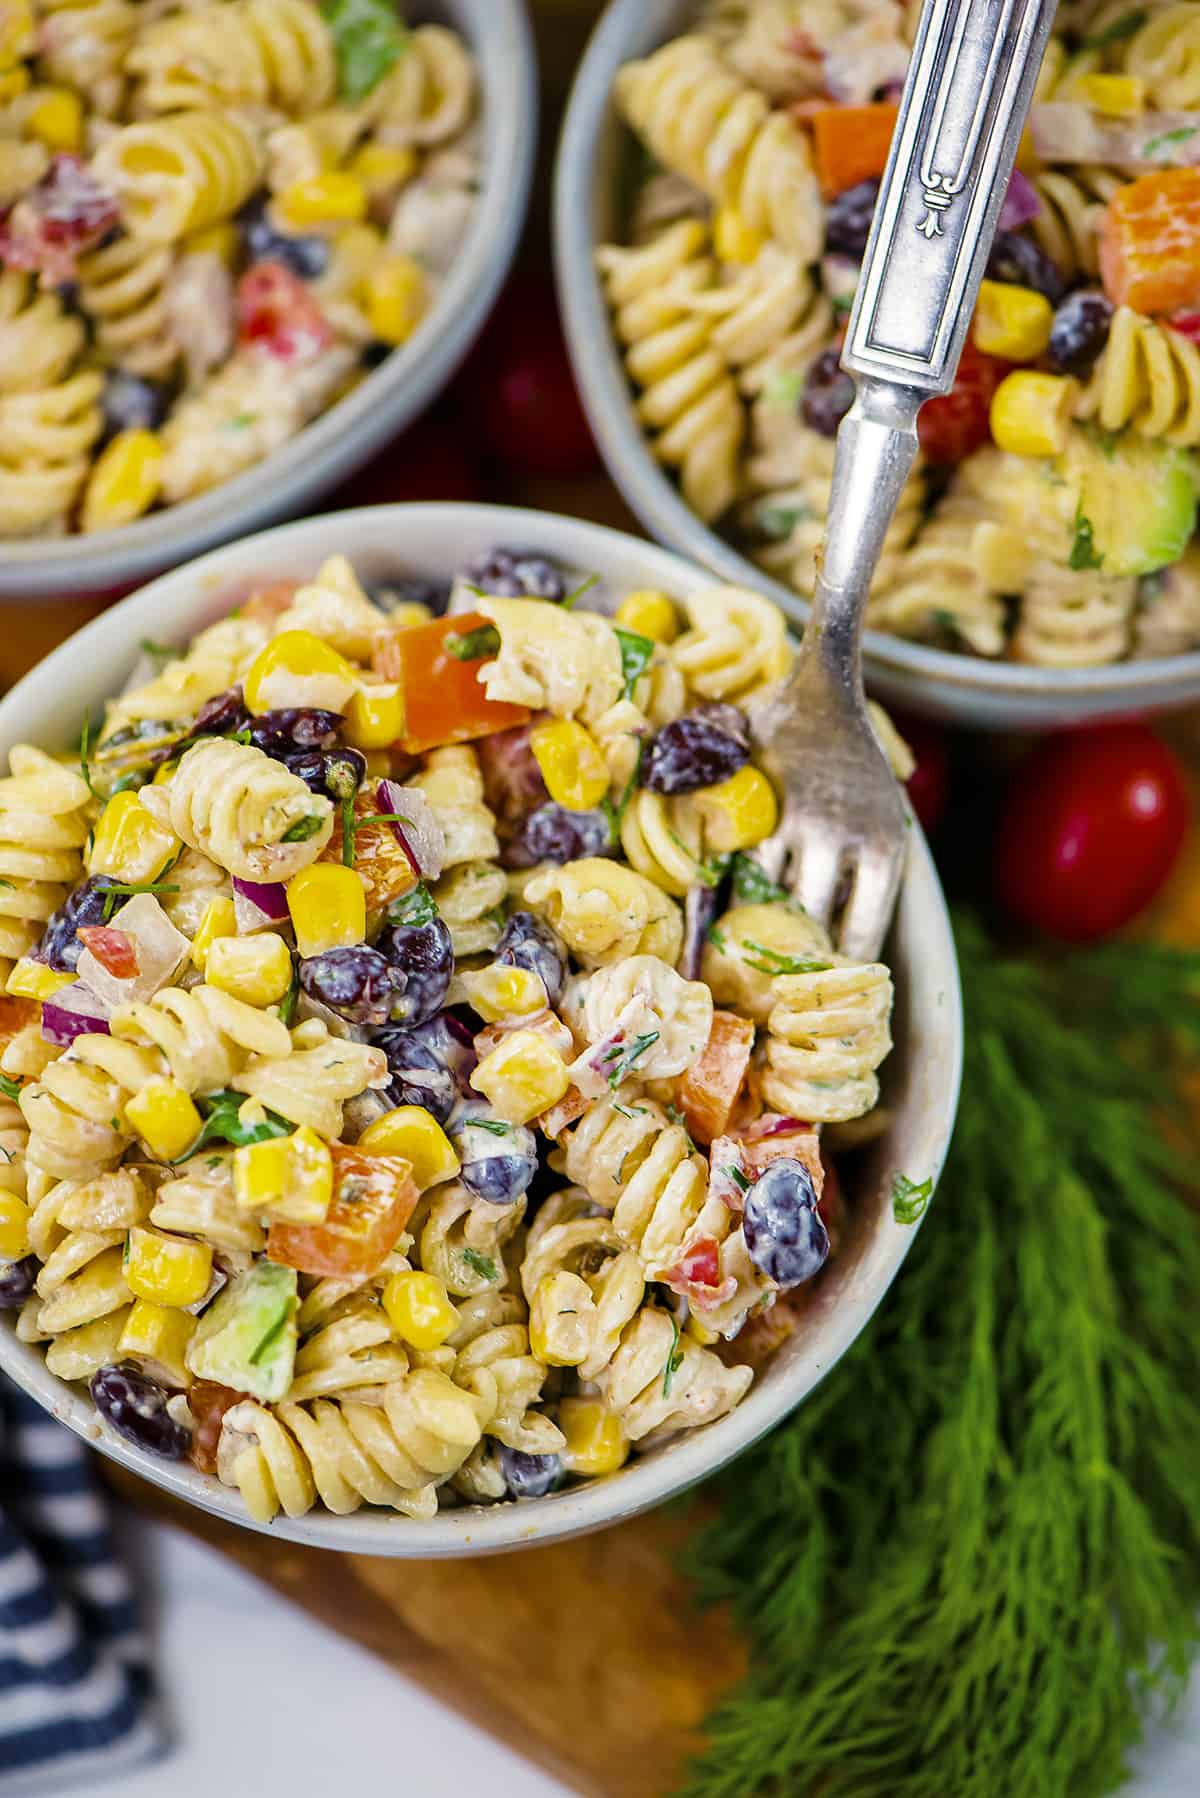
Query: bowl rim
(176,604)
(644,484)
(338,441)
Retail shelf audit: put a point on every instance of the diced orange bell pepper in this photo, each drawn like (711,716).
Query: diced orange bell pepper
(1150,242)
(373,1199)
(15,1014)
(444,699)
(709,1088)
(766,1141)
(378,856)
(851,143)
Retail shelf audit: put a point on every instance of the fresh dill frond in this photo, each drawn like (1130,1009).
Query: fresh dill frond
(969,1563)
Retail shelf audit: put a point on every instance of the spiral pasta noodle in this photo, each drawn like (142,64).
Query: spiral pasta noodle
(261,52)
(470,899)
(181,173)
(604,912)
(940,584)
(462,1239)
(49,416)
(1167,620)
(428,97)
(351,1348)
(84,43)
(736,643)
(635,1388)
(1165,54)
(199,1201)
(121,291)
(1074,618)
(1072,201)
(702,120)
(688,397)
(43,828)
(199,1039)
(549,659)
(826,1034)
(78,1229)
(310,1080)
(453,785)
(582,1285)
(1147,377)
(661,839)
(238,806)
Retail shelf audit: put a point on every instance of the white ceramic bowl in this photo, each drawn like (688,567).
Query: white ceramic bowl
(340,440)
(587,211)
(921,1076)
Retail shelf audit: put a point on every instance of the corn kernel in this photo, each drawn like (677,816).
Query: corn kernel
(56,119)
(575,772)
(395,296)
(125,481)
(156,1338)
(255,969)
(291,1177)
(18,32)
(168,1270)
(739,811)
(419,1309)
(166,1120)
(129,845)
(1115,96)
(1012,322)
(328,905)
(523,1076)
(1031,412)
(596,1443)
(381,167)
(34,980)
(14,1226)
(411,1132)
(335,198)
(219,920)
(498,992)
(356,250)
(222,241)
(559,1332)
(650,613)
(298,669)
(375,715)
(733,239)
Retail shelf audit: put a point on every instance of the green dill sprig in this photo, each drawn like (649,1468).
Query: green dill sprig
(472,646)
(125,889)
(10,1088)
(625,1057)
(572,598)
(968,1564)
(483,1265)
(637,652)
(674,1360)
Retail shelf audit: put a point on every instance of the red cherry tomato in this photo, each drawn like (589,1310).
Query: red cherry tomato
(1090,829)
(115,950)
(929,779)
(1186,323)
(276,311)
(950,427)
(518,389)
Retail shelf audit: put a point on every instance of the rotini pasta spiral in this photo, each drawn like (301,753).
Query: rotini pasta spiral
(243,809)
(199,1201)
(83,44)
(826,1034)
(582,1285)
(429,96)
(470,899)
(262,52)
(121,291)
(350,1349)
(453,785)
(49,416)
(702,120)
(1167,621)
(78,1230)
(1147,377)
(38,340)
(636,1388)
(940,583)
(178,174)
(334,607)
(310,1080)
(736,643)
(43,828)
(1072,201)
(493,1361)
(552,660)
(200,1038)
(462,1238)
(1165,54)
(1074,618)
(689,400)
(661,839)
(604,912)
(212,663)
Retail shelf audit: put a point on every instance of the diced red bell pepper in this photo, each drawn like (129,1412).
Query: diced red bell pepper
(1150,242)
(708,1090)
(208,1404)
(1186,323)
(851,143)
(277,313)
(115,950)
(956,423)
(444,699)
(373,1199)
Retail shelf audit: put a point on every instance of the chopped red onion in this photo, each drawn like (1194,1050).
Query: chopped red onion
(74,1011)
(771,1125)
(417,830)
(257,905)
(1021,202)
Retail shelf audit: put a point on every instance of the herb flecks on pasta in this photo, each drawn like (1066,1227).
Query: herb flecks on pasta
(761,133)
(215,219)
(346,923)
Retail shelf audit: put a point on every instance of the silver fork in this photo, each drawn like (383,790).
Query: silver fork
(841,844)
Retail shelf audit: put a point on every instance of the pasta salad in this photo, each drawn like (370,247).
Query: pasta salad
(1051,512)
(215,216)
(414,1089)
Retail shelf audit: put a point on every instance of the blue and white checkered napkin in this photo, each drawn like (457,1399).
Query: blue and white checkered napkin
(75,1689)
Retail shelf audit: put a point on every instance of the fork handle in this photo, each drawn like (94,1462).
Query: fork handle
(970,81)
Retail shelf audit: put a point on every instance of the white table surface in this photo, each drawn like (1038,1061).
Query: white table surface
(348,1722)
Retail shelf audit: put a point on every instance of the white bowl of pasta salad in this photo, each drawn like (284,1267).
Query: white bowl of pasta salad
(417,1104)
(243,243)
(717,177)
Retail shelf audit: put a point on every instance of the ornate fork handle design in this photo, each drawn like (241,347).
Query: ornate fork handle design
(969,83)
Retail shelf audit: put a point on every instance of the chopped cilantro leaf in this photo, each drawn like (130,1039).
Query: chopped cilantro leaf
(910,1199)
(368,40)
(303,829)
(415,908)
(472,646)
(1083,550)
(636,653)
(9,1087)
(627,1057)
(483,1265)
(674,1360)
